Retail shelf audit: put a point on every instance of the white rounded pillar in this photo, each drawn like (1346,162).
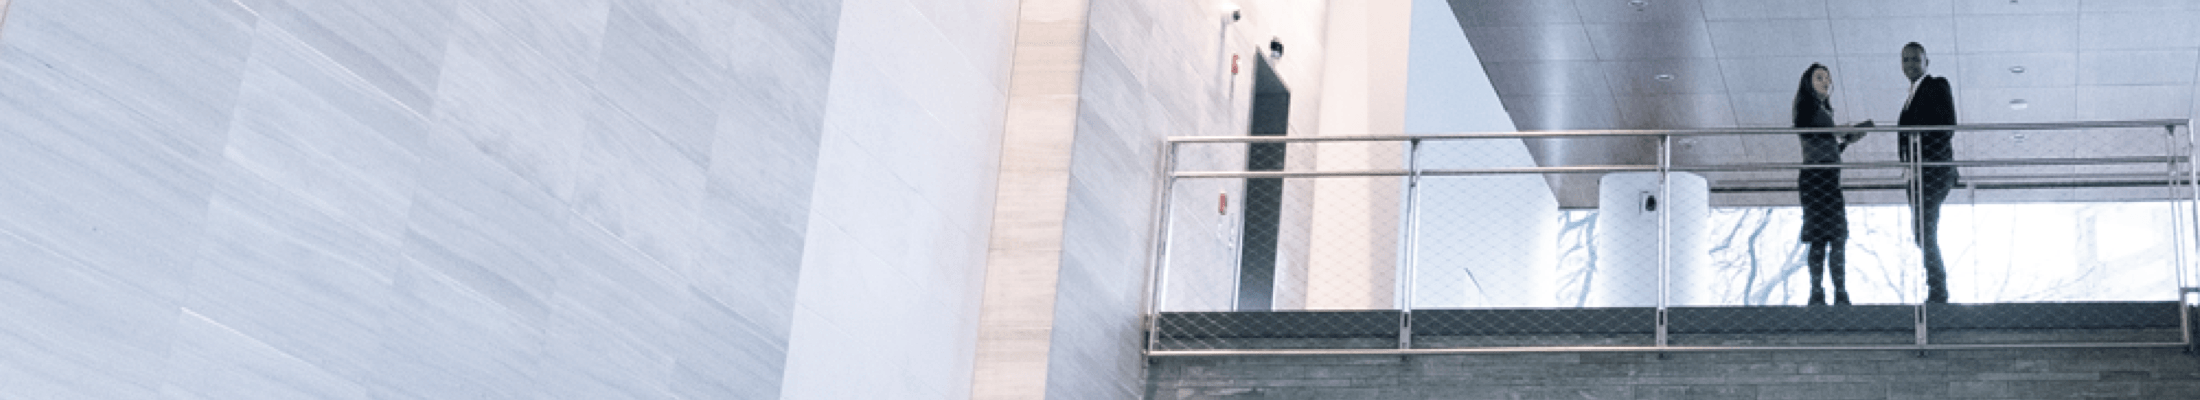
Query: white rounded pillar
(1626,240)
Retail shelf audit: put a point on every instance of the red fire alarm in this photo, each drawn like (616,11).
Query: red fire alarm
(1233,64)
(1222,206)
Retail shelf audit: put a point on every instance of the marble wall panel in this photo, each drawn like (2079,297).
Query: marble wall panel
(212,361)
(114,126)
(619,325)
(664,77)
(396,46)
(76,332)
(495,198)
(730,356)
(763,157)
(444,338)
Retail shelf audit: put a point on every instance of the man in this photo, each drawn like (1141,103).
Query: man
(1930,103)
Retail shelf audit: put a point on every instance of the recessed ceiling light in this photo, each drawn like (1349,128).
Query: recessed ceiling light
(1664,77)
(1639,3)
(2019,104)
(2016,69)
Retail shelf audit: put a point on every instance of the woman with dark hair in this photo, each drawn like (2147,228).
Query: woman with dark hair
(1825,223)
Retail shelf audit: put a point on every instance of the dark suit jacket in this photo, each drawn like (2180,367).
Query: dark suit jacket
(1934,104)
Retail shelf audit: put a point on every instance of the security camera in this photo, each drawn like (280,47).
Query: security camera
(1231,10)
(1275,48)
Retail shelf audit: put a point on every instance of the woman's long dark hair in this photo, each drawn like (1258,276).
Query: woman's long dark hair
(1807,100)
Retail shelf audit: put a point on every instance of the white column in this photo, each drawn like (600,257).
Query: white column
(1627,240)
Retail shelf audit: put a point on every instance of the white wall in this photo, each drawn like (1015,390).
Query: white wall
(1484,241)
(894,266)
(1352,232)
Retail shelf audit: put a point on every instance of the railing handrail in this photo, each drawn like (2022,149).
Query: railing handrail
(1681,168)
(2042,126)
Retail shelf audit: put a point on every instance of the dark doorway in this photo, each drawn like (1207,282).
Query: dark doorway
(1263,196)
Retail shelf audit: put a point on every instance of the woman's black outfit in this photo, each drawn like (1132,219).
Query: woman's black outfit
(1825,222)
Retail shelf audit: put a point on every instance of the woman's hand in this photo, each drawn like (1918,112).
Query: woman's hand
(1853,137)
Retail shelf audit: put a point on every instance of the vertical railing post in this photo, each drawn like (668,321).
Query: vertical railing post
(1157,293)
(1665,229)
(2192,208)
(1412,244)
(2176,197)
(2192,211)
(1916,183)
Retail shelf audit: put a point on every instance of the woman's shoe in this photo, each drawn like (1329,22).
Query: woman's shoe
(1840,298)
(1817,296)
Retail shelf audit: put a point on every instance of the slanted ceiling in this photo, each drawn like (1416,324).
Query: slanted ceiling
(1597,64)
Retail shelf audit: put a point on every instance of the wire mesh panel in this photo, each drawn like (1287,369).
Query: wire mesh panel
(1310,253)
(2044,233)
(2060,236)
(1497,263)
(1283,263)
(1796,246)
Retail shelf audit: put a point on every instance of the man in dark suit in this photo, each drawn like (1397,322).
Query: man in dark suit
(1930,103)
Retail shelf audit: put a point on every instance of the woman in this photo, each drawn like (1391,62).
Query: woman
(1825,223)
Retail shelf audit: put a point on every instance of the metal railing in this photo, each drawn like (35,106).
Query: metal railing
(1330,249)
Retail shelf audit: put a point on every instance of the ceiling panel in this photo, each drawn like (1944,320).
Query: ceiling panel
(1675,111)
(1546,113)
(1764,38)
(1851,107)
(2138,141)
(1643,41)
(1540,42)
(1880,106)
(2140,30)
(1473,13)
(2144,67)
(1699,150)
(1869,88)
(1591,151)
(1764,109)
(1767,148)
(2049,104)
(1884,73)
(2118,142)
(1886,36)
(1734,63)
(1681,76)
(2140,5)
(2102,103)
(1772,74)
(2014,34)
(1579,78)
(1624,11)
(1763,9)
(2003,7)
(1995,70)
(2026,144)
(1889,8)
